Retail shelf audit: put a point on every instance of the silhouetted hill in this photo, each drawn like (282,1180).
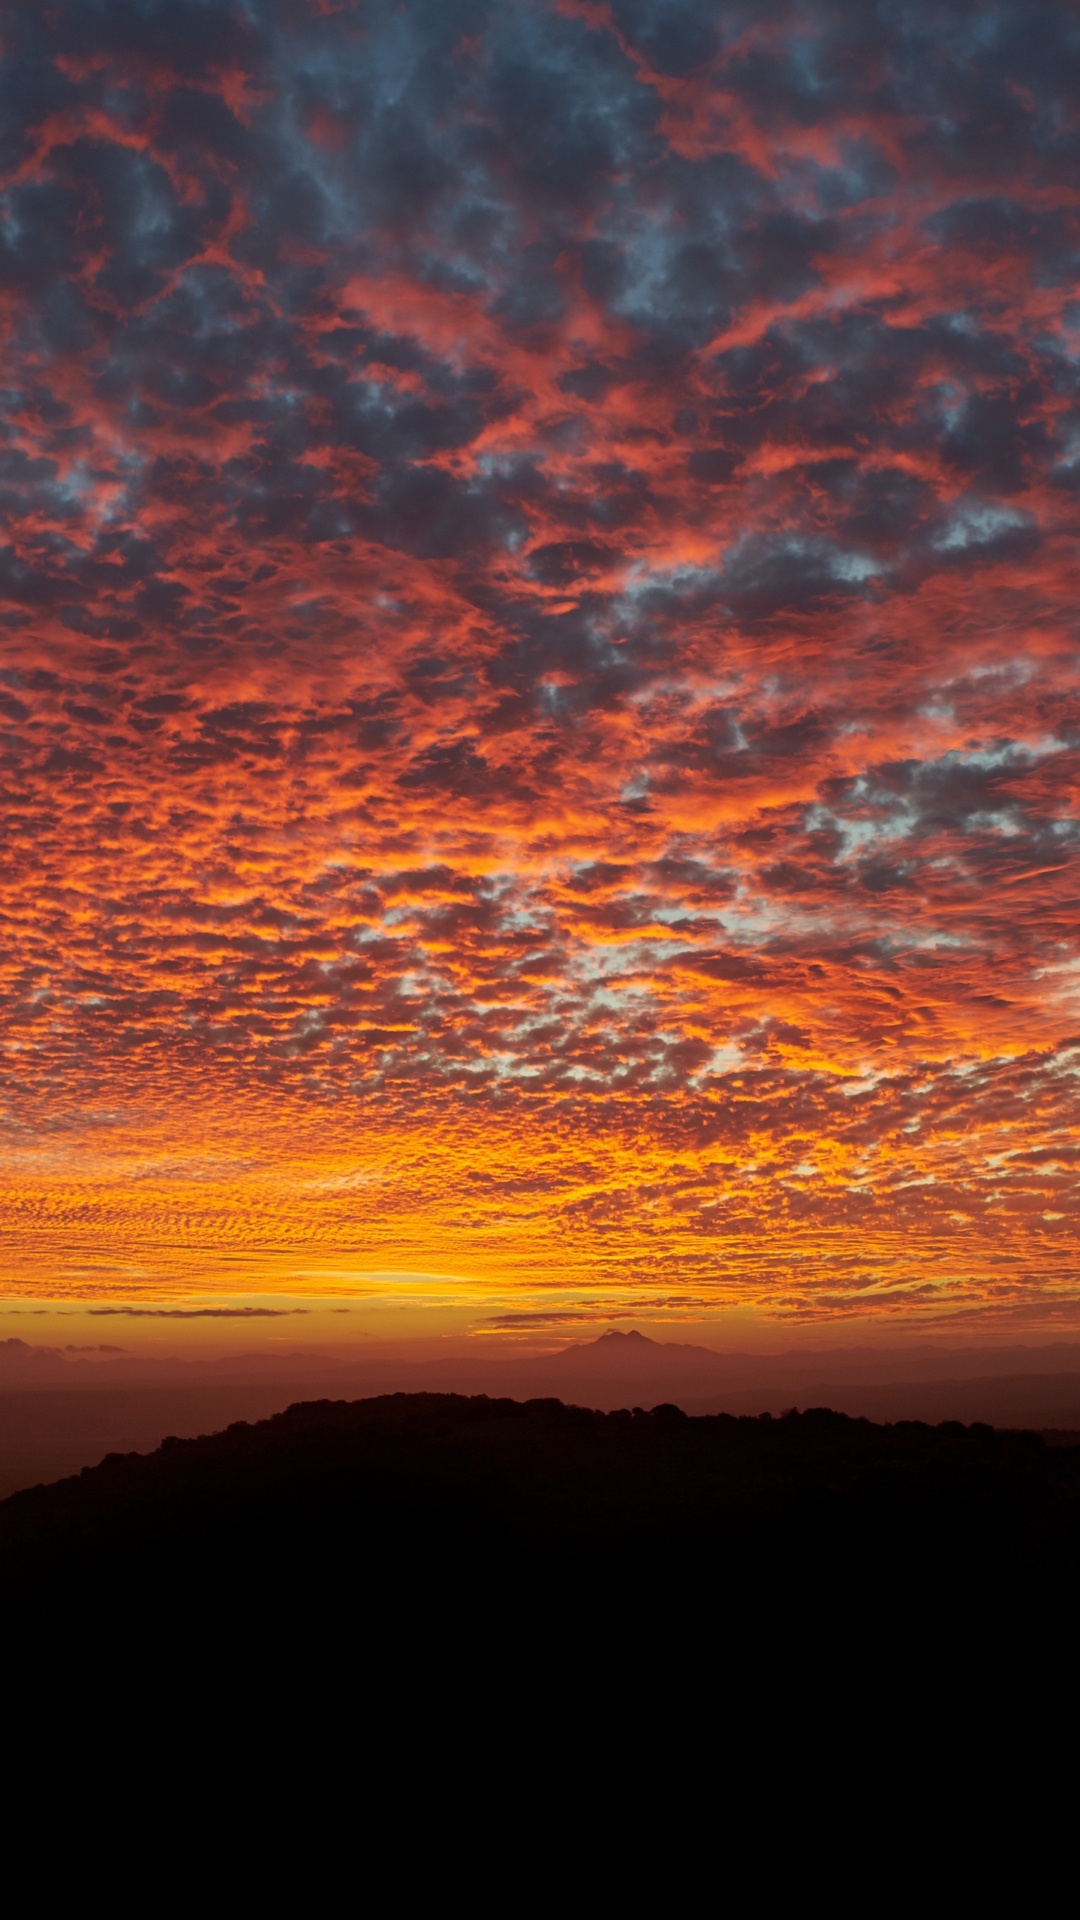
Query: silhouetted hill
(64,1408)
(413,1506)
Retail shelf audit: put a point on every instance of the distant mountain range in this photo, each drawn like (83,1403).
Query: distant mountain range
(614,1355)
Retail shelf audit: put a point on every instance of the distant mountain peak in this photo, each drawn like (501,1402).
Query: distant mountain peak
(632,1353)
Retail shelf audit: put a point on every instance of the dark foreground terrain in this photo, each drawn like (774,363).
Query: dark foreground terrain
(62,1410)
(412,1506)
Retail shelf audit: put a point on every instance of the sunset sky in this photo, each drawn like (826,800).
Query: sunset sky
(538,666)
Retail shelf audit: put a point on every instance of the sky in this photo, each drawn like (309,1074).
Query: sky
(539,711)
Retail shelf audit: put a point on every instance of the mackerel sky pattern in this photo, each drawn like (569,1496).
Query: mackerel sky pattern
(538,676)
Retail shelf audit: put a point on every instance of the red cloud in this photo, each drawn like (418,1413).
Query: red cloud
(538,692)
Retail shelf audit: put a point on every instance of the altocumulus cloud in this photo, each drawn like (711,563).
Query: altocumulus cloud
(538,680)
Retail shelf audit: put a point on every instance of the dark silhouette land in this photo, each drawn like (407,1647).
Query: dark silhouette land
(61,1411)
(407,1506)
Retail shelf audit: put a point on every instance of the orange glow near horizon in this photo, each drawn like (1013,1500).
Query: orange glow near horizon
(538,672)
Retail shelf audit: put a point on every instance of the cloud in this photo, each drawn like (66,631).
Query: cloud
(537,640)
(197,1313)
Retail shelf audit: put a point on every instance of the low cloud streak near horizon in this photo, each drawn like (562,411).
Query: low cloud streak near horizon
(539,715)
